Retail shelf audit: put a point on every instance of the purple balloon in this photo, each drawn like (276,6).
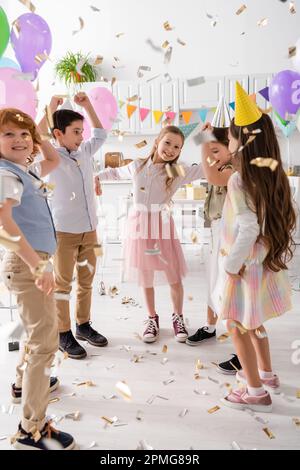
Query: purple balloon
(285,93)
(34,38)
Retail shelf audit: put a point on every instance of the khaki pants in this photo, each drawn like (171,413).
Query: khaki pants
(73,248)
(38,315)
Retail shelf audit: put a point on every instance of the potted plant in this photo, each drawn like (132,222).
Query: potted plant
(75,69)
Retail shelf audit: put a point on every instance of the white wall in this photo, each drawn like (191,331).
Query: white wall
(219,50)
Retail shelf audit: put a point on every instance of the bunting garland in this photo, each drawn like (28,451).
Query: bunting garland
(157,116)
(187,115)
(130,110)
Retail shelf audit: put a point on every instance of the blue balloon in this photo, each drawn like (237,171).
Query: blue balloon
(5,62)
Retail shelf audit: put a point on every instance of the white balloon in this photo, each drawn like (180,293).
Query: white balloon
(296,58)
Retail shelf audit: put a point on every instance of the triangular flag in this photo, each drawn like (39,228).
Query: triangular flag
(144,113)
(287,127)
(265,93)
(246,110)
(187,130)
(187,115)
(130,110)
(214,109)
(221,118)
(157,116)
(232,105)
(280,119)
(170,115)
(121,103)
(203,114)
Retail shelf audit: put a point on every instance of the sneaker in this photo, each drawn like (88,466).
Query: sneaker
(273,383)
(16,392)
(241,400)
(230,367)
(68,344)
(151,332)
(180,330)
(46,439)
(200,336)
(85,332)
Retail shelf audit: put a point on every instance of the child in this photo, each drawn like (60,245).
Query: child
(255,245)
(152,249)
(74,214)
(24,213)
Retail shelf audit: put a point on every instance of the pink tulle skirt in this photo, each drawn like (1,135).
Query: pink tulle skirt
(152,252)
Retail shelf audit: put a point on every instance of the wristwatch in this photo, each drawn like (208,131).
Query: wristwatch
(42,267)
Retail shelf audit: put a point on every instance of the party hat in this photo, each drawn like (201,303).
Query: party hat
(222,117)
(246,111)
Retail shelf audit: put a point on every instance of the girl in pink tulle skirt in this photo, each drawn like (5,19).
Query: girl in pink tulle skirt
(153,254)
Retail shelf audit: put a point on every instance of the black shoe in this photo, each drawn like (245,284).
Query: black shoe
(68,344)
(230,367)
(200,336)
(86,333)
(16,393)
(55,440)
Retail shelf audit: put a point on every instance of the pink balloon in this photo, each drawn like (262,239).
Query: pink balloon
(17,92)
(106,108)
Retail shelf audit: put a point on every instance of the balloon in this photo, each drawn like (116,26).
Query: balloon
(285,92)
(4,31)
(8,63)
(298,121)
(105,106)
(296,58)
(287,127)
(16,93)
(34,39)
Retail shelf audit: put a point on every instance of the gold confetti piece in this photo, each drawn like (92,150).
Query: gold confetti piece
(75,416)
(190,298)
(165,44)
(223,252)
(194,238)
(133,98)
(199,365)
(142,144)
(168,55)
(39,58)
(213,410)
(221,338)
(124,390)
(98,60)
(94,8)
(28,4)
(261,334)
(118,35)
(143,190)
(113,291)
(265,163)
(292,8)
(81,26)
(296,421)
(113,81)
(167,26)
(197,376)
(182,43)
(240,10)
(174,170)
(107,420)
(183,413)
(16,28)
(98,250)
(49,117)
(165,349)
(298,394)
(269,433)
(263,22)
(87,383)
(54,400)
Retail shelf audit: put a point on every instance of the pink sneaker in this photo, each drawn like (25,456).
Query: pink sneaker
(273,384)
(180,331)
(151,332)
(241,400)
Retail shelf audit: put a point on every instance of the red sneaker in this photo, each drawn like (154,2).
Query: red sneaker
(151,332)
(180,331)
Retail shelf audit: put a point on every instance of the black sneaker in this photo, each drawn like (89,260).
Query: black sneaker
(230,367)
(47,439)
(200,336)
(16,393)
(85,332)
(68,344)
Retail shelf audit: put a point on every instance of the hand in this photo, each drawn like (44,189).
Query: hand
(98,189)
(45,283)
(237,277)
(207,127)
(82,99)
(55,102)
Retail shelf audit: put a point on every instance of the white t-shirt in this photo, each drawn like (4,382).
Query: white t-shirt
(12,186)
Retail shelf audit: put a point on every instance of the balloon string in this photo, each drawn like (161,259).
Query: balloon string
(288,153)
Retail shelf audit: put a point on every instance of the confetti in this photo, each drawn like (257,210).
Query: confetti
(142,445)
(182,43)
(174,170)
(141,69)
(73,196)
(199,365)
(204,138)
(265,163)
(141,144)
(183,413)
(2,438)
(168,77)
(113,291)
(235,446)
(165,44)
(165,349)
(194,238)
(151,399)
(298,394)
(168,55)
(168,381)
(164,361)
(269,433)
(87,383)
(28,4)
(92,444)
(75,416)
(94,8)
(139,415)
(213,380)
(81,26)
(153,78)
(133,98)
(213,410)
(39,58)
(263,22)
(223,337)
(167,26)
(296,421)
(98,250)
(153,46)
(292,8)
(124,390)
(98,60)
(54,400)
(261,334)
(110,420)
(195,81)
(240,10)
(118,35)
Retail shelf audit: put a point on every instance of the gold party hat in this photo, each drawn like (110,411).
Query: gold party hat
(246,110)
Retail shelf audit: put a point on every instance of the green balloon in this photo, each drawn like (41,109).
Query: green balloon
(4,31)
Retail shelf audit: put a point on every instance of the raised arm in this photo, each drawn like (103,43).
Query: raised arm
(212,173)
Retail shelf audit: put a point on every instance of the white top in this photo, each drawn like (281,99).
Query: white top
(149,184)
(12,186)
(73,202)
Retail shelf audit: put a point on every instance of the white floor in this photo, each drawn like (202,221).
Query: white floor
(161,426)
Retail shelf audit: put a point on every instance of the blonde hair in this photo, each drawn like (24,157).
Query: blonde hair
(23,121)
(166,130)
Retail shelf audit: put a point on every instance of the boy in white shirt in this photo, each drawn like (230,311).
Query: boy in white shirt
(74,214)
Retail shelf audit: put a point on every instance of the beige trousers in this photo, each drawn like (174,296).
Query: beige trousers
(71,249)
(37,312)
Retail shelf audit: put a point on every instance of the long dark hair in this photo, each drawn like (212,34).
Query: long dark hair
(268,192)
(221,135)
